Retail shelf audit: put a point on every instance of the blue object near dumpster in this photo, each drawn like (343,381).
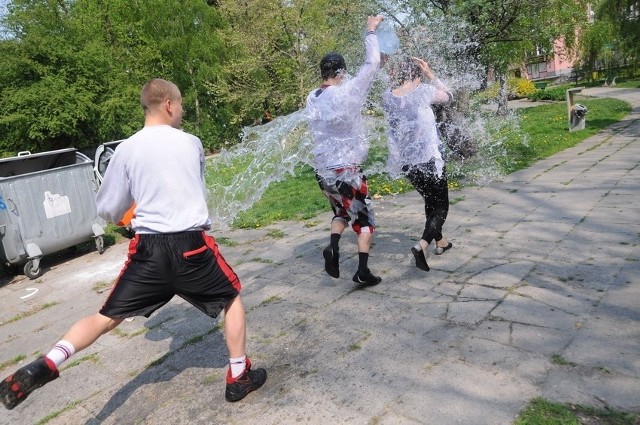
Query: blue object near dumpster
(47,203)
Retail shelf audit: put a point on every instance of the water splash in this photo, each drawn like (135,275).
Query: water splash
(239,176)
(236,178)
(474,136)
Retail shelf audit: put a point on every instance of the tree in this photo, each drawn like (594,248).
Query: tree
(71,72)
(274,50)
(499,31)
(48,92)
(613,39)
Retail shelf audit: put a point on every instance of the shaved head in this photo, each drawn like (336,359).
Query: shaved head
(162,103)
(156,91)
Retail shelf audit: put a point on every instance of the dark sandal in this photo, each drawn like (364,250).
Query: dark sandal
(441,249)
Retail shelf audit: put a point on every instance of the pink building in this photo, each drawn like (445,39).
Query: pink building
(542,65)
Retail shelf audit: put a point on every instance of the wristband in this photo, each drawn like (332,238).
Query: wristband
(370,32)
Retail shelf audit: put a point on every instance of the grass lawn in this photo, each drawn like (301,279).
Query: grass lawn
(626,83)
(295,198)
(547,129)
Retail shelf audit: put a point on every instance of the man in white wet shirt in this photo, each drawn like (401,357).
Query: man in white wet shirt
(415,148)
(334,111)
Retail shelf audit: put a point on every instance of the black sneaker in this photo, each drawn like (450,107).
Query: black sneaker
(15,388)
(421,260)
(366,278)
(331,262)
(250,380)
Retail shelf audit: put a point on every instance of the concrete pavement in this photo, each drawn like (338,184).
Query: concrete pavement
(540,296)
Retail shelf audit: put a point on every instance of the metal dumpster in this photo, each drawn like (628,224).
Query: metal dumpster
(47,203)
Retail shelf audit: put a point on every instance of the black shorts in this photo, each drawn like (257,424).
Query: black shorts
(159,266)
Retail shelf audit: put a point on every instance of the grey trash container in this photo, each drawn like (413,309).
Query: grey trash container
(47,203)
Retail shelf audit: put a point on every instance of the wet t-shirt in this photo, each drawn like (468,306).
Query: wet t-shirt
(412,134)
(335,115)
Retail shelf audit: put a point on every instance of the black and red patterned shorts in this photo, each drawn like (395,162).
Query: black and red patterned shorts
(348,193)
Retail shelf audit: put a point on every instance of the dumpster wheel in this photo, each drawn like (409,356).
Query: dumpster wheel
(100,244)
(30,272)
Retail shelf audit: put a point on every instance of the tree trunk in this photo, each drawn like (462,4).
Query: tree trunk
(503,96)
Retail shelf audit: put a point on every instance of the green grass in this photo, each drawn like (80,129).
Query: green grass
(543,412)
(298,197)
(559,360)
(621,82)
(221,240)
(28,313)
(114,234)
(91,357)
(57,413)
(630,83)
(17,359)
(547,129)
(295,198)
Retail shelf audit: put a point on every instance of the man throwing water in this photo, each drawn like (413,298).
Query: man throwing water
(161,169)
(334,111)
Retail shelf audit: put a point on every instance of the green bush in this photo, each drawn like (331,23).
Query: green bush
(555,93)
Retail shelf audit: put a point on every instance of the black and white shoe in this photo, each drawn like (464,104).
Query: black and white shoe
(366,278)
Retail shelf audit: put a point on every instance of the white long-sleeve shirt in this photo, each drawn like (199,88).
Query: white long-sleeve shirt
(412,136)
(335,115)
(161,169)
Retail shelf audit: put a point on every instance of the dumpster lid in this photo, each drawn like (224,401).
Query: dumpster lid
(30,163)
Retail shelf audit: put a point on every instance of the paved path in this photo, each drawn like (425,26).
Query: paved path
(540,296)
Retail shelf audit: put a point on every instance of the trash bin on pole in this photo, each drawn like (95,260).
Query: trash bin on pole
(47,203)
(578,113)
(575,111)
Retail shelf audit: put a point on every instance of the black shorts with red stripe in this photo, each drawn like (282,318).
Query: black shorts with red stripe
(159,266)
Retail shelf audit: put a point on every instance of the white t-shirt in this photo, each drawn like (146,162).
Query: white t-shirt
(161,169)
(412,136)
(335,115)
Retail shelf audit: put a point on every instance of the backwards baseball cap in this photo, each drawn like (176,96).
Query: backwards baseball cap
(330,64)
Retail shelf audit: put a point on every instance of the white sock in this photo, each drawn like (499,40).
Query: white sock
(61,352)
(237,365)
(424,246)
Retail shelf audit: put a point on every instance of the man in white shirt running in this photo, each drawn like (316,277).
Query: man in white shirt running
(334,111)
(161,169)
